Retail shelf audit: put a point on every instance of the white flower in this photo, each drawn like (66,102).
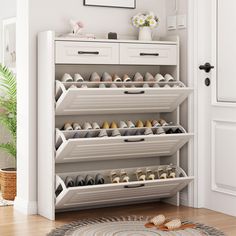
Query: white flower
(152,23)
(141,21)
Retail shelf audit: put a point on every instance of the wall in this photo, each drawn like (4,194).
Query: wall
(34,16)
(7,10)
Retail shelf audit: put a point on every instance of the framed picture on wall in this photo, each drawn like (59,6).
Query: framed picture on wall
(111,3)
(9,42)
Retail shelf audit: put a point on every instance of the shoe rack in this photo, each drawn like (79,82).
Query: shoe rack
(63,153)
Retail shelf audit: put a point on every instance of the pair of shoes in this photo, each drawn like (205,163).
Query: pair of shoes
(68,78)
(73,126)
(142,175)
(119,177)
(174,131)
(168,172)
(84,181)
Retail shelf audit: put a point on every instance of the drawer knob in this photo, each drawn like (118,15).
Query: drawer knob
(134,141)
(139,92)
(90,53)
(149,54)
(135,186)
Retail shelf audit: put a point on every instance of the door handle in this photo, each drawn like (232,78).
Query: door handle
(139,92)
(207,67)
(134,141)
(135,186)
(91,53)
(149,54)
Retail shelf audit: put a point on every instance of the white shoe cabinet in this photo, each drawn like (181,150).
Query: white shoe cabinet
(61,155)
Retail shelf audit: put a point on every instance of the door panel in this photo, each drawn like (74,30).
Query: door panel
(226,53)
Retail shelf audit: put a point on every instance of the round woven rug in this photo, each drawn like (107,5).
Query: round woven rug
(127,226)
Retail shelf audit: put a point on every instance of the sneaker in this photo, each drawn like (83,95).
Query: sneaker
(89,135)
(149,77)
(106,77)
(77,135)
(123,125)
(160,131)
(139,124)
(66,78)
(95,125)
(138,77)
(87,126)
(84,86)
(95,77)
(113,86)
(113,125)
(79,181)
(141,176)
(116,78)
(155,124)
(103,134)
(130,124)
(148,124)
(178,131)
(76,126)
(99,179)
(159,78)
(67,127)
(169,78)
(105,125)
(124,178)
(72,86)
(78,78)
(138,133)
(163,122)
(148,131)
(69,182)
(146,86)
(170,131)
(156,86)
(167,86)
(126,79)
(115,133)
(89,180)
(102,86)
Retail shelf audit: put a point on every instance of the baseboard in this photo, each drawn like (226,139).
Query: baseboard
(26,207)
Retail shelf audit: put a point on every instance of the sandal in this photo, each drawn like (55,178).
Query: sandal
(162,173)
(124,176)
(171,172)
(115,178)
(141,176)
(150,174)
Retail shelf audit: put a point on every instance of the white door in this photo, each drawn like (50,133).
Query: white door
(216,44)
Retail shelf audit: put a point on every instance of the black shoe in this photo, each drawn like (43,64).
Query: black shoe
(80,181)
(178,131)
(99,179)
(170,131)
(69,182)
(89,180)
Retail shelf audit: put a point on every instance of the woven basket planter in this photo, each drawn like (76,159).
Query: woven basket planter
(8,183)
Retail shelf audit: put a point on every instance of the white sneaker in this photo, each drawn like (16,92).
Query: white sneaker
(67,78)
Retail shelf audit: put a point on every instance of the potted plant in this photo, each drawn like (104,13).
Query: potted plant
(145,22)
(8,119)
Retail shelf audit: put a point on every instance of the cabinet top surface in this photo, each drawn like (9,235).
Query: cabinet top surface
(74,39)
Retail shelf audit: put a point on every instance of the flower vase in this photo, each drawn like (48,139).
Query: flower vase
(145,33)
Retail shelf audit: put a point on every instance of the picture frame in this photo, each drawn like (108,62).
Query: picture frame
(130,4)
(9,42)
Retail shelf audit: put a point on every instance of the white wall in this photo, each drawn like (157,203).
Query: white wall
(34,16)
(7,10)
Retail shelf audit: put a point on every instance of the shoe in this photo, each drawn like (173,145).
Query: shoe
(116,78)
(138,77)
(169,78)
(130,124)
(159,78)
(69,182)
(126,133)
(73,86)
(99,179)
(156,86)
(103,134)
(79,181)
(123,125)
(106,77)
(150,174)
(66,78)
(113,86)
(89,180)
(148,124)
(167,86)
(171,172)
(67,127)
(95,77)
(77,135)
(141,176)
(102,86)
(105,125)
(113,125)
(146,86)
(155,124)
(163,122)
(148,131)
(84,86)
(139,124)
(78,78)
(126,79)
(149,77)
(160,131)
(124,178)
(115,133)
(89,135)
(170,131)
(162,173)
(95,125)
(76,126)
(115,178)
(87,126)
(178,131)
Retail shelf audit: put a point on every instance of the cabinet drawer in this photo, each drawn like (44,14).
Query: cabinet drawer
(86,53)
(148,54)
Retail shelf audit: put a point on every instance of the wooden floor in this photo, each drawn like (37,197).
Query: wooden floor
(13,223)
